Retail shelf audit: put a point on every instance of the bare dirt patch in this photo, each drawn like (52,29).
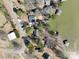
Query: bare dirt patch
(2,19)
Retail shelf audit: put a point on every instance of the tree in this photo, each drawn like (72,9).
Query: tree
(31,48)
(17,33)
(51,32)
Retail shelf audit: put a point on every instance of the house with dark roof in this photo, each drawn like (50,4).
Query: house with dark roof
(31,19)
(45,55)
(26,40)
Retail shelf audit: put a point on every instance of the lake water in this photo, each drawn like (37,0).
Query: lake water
(68,23)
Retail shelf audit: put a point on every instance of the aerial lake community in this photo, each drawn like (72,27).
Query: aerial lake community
(39,29)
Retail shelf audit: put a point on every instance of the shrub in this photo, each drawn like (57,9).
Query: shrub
(31,48)
(29,31)
(53,16)
(60,4)
(51,32)
(16,33)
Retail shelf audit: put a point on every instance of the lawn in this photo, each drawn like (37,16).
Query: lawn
(68,23)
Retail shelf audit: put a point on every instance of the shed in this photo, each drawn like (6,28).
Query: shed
(11,35)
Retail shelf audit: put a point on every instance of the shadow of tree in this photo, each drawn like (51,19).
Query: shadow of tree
(16,45)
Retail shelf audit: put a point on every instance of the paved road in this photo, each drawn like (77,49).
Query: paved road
(9,8)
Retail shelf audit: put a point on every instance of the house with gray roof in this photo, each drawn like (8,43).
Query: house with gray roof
(47,10)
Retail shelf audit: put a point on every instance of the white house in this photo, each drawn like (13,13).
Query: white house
(58,11)
(12,36)
(63,0)
(67,44)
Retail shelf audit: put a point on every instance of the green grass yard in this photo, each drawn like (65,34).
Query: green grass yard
(68,23)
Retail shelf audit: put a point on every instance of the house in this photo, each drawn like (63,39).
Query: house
(37,11)
(34,4)
(63,0)
(47,10)
(55,1)
(12,35)
(47,2)
(40,17)
(45,55)
(40,3)
(58,11)
(31,19)
(53,4)
(21,24)
(26,40)
(35,26)
(66,43)
(35,33)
